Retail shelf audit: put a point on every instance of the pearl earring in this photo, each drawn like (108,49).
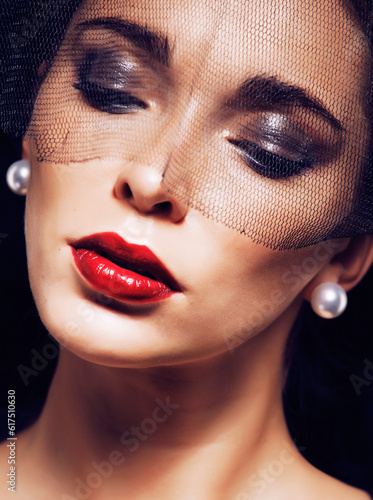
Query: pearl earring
(329,300)
(17,176)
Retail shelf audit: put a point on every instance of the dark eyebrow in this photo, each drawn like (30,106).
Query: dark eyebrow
(156,45)
(262,93)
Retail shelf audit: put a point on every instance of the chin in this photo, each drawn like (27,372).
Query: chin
(107,334)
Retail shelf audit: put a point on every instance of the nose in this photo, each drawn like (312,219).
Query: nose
(141,186)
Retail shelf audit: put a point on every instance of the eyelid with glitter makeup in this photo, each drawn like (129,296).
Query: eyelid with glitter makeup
(109,83)
(274,147)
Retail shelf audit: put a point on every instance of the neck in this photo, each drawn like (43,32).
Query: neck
(182,417)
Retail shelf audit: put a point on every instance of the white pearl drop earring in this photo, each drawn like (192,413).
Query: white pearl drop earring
(329,300)
(17,177)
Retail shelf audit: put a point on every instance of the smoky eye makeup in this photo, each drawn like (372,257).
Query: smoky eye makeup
(269,164)
(112,74)
(280,129)
(274,147)
(109,82)
(107,68)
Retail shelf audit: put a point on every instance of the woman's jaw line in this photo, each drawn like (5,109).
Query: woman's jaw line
(253,371)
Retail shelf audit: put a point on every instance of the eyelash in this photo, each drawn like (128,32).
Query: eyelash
(262,161)
(270,165)
(109,100)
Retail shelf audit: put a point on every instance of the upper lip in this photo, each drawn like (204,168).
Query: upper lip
(137,258)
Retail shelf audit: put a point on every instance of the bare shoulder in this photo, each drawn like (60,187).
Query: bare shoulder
(10,461)
(350,493)
(329,488)
(303,481)
(7,468)
(29,478)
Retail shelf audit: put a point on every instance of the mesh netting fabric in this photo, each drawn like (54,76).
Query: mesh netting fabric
(257,113)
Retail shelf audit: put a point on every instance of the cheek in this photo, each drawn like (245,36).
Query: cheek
(63,198)
(250,286)
(55,198)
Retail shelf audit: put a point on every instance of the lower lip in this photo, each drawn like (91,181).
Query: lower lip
(117,282)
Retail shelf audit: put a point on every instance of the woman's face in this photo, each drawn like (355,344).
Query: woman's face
(105,155)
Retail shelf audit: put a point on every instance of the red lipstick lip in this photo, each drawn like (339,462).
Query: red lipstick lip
(122,270)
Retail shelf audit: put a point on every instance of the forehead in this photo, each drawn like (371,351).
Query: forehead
(316,45)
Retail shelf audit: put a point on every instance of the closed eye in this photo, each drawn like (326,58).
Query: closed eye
(271,165)
(109,100)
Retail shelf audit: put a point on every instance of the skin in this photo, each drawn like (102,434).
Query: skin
(215,350)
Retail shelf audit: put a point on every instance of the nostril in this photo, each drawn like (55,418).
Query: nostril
(165,207)
(144,192)
(127,193)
